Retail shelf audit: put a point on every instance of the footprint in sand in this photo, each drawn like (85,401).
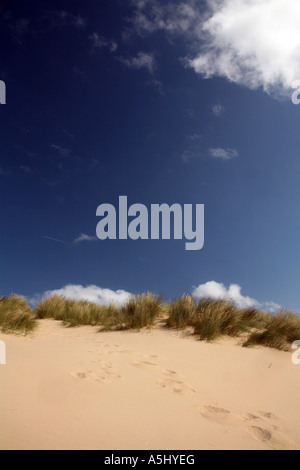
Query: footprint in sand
(144,364)
(106,373)
(218,415)
(262,417)
(84,375)
(174,382)
(170,373)
(258,433)
(274,440)
(266,431)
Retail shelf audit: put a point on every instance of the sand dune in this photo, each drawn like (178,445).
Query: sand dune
(80,389)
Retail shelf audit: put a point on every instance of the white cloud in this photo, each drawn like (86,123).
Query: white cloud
(255,43)
(142,60)
(223,154)
(219,291)
(272,306)
(84,238)
(91,293)
(218,109)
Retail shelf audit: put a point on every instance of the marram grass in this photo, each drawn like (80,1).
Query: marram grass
(209,319)
(15,315)
(139,312)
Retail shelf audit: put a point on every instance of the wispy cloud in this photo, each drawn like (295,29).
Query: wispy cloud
(62,152)
(48,20)
(3,172)
(55,240)
(100,42)
(218,109)
(194,137)
(254,43)
(223,154)
(195,150)
(84,238)
(26,169)
(158,86)
(80,239)
(91,293)
(143,60)
(59,18)
(69,134)
(19,28)
(190,154)
(78,72)
(217,291)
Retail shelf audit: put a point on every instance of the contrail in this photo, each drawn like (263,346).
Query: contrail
(55,240)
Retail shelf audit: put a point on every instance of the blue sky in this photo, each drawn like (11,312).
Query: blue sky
(164,103)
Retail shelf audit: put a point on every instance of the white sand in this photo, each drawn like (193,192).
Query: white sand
(80,389)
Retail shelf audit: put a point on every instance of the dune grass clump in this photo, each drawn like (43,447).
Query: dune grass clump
(254,318)
(52,307)
(182,312)
(280,332)
(139,312)
(73,312)
(217,318)
(15,315)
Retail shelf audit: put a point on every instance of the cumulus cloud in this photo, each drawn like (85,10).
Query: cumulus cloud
(218,291)
(223,154)
(143,60)
(91,293)
(255,43)
(84,238)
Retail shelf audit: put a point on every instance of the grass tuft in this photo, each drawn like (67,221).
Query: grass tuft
(15,315)
(282,330)
(216,318)
(140,312)
(182,312)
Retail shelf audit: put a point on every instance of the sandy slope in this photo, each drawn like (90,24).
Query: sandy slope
(79,389)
